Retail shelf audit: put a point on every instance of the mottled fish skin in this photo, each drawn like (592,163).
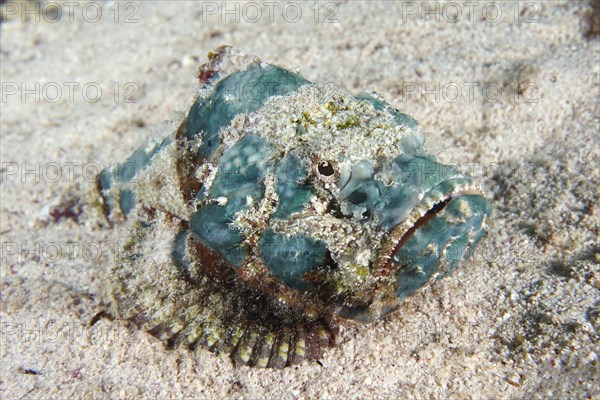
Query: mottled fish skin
(277,210)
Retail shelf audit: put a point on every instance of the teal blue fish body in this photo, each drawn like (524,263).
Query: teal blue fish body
(279,209)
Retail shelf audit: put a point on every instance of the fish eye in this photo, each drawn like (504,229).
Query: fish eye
(325,168)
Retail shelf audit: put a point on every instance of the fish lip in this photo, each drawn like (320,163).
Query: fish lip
(426,210)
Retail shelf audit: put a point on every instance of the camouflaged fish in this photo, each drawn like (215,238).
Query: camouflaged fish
(279,209)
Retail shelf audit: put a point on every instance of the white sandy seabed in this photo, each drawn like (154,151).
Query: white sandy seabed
(513,95)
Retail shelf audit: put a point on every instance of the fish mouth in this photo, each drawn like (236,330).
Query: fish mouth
(430,245)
